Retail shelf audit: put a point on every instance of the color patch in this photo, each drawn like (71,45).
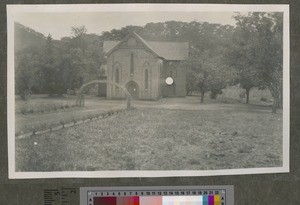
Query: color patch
(151,200)
(194,200)
(211,200)
(182,200)
(205,200)
(217,200)
(105,201)
(128,200)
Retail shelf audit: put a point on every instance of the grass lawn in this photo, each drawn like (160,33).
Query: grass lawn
(159,139)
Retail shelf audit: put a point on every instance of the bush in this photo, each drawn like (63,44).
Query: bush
(31,108)
(263,99)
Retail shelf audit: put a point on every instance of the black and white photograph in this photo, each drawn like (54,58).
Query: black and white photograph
(147,90)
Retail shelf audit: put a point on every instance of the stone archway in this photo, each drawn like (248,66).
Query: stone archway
(133,88)
(80,95)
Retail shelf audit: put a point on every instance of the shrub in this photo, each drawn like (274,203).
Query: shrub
(263,99)
(30,108)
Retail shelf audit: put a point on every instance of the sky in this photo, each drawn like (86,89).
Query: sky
(59,24)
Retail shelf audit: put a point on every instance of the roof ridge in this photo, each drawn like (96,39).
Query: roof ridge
(168,50)
(139,38)
(146,43)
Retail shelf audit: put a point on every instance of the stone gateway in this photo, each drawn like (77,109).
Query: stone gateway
(143,67)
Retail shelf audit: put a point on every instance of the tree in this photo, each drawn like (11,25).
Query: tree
(241,56)
(190,82)
(258,51)
(80,58)
(247,81)
(26,72)
(207,72)
(48,70)
(29,46)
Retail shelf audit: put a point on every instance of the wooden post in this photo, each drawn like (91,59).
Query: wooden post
(128,102)
(82,98)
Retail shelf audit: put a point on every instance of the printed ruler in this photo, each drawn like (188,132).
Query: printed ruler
(190,195)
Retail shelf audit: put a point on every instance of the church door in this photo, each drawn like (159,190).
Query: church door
(133,89)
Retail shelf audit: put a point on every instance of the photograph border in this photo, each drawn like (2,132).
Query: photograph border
(14,9)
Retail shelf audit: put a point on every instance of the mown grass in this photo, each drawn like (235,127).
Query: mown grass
(159,139)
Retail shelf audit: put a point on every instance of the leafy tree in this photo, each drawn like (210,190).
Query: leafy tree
(29,45)
(207,73)
(78,32)
(26,70)
(80,58)
(191,82)
(241,55)
(258,51)
(48,70)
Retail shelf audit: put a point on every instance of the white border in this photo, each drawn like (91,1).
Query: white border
(14,9)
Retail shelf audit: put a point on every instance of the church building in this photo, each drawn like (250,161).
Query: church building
(149,70)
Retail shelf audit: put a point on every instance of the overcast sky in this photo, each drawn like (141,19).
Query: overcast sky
(59,24)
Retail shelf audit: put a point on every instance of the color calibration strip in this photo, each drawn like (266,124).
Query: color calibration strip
(158,200)
(187,197)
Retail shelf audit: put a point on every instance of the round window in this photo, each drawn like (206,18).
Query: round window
(169,81)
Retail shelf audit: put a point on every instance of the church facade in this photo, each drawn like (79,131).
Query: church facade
(143,66)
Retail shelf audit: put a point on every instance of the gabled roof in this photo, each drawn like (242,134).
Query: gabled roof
(171,50)
(108,45)
(165,50)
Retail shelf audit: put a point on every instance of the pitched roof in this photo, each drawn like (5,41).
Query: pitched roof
(171,50)
(166,50)
(108,45)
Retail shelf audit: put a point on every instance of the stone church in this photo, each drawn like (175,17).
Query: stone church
(143,67)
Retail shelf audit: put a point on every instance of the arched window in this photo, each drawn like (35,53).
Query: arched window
(131,64)
(146,79)
(116,72)
(117,79)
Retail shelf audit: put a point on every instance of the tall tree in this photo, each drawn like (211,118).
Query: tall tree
(258,43)
(29,46)
(49,69)
(26,72)
(80,58)
(208,73)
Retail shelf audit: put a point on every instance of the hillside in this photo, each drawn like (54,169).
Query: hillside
(27,38)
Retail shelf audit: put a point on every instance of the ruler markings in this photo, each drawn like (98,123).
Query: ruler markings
(69,196)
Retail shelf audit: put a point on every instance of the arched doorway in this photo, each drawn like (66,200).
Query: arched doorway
(133,89)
